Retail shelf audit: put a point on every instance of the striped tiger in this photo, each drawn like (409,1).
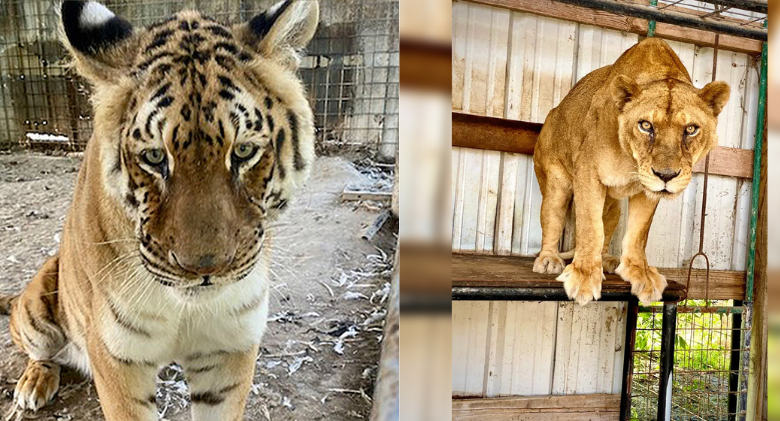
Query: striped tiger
(202,133)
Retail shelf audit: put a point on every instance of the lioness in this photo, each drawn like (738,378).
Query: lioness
(202,132)
(633,129)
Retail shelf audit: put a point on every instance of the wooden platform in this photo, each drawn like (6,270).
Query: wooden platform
(487,277)
(538,408)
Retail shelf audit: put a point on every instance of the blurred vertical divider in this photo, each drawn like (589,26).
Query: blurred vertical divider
(424,209)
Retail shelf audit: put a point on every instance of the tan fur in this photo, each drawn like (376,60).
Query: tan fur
(592,148)
(172,265)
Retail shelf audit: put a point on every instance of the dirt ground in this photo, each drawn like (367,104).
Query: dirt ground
(319,357)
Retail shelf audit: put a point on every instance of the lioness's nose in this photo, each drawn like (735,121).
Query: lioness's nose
(666,174)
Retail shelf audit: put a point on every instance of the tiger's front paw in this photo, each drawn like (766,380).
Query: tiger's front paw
(646,283)
(548,263)
(38,384)
(582,284)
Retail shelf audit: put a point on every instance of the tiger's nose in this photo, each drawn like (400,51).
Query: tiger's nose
(666,174)
(205,264)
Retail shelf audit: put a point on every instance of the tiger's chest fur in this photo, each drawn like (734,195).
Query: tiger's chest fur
(155,325)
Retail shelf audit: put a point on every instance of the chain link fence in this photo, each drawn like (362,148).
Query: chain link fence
(351,73)
(705,381)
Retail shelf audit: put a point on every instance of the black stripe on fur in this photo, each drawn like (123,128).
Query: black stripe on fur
(6,303)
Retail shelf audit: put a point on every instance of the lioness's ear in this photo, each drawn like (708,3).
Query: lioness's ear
(282,31)
(101,43)
(623,90)
(715,94)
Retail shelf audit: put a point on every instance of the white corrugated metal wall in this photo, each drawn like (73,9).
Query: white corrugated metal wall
(519,66)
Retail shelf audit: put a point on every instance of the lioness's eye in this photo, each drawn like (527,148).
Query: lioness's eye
(645,126)
(244,151)
(154,157)
(692,130)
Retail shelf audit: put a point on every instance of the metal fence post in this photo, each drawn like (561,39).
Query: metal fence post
(668,333)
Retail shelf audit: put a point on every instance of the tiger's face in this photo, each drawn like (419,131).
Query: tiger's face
(204,130)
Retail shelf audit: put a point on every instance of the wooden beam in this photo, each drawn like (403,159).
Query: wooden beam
(386,396)
(580,14)
(482,271)
(499,134)
(356,195)
(426,65)
(758,355)
(597,407)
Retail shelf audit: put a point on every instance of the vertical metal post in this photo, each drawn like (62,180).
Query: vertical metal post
(746,405)
(651,23)
(668,333)
(736,343)
(628,360)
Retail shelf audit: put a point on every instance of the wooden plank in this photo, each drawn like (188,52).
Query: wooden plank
(495,347)
(724,284)
(584,15)
(471,270)
(386,388)
(460,339)
(498,134)
(732,162)
(758,354)
(532,408)
(354,195)
(492,133)
(476,361)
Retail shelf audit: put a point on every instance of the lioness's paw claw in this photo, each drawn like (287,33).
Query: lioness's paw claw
(38,385)
(582,286)
(609,263)
(646,283)
(549,264)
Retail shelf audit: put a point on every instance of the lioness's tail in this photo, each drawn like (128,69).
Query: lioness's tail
(6,301)
(566,255)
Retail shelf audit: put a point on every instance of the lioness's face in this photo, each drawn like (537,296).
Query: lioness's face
(667,127)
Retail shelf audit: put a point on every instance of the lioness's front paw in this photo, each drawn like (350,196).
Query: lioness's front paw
(38,384)
(582,284)
(548,263)
(609,263)
(646,283)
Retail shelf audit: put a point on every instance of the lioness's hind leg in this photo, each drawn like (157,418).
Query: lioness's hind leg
(556,194)
(611,219)
(35,329)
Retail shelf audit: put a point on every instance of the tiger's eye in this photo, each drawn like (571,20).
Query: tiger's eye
(154,156)
(645,126)
(691,130)
(244,150)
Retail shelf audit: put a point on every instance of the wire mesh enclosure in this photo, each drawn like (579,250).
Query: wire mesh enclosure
(705,383)
(351,72)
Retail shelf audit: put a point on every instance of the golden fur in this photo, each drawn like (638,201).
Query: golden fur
(632,129)
(167,260)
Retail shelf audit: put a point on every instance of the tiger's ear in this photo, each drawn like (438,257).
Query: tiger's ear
(282,31)
(623,90)
(103,45)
